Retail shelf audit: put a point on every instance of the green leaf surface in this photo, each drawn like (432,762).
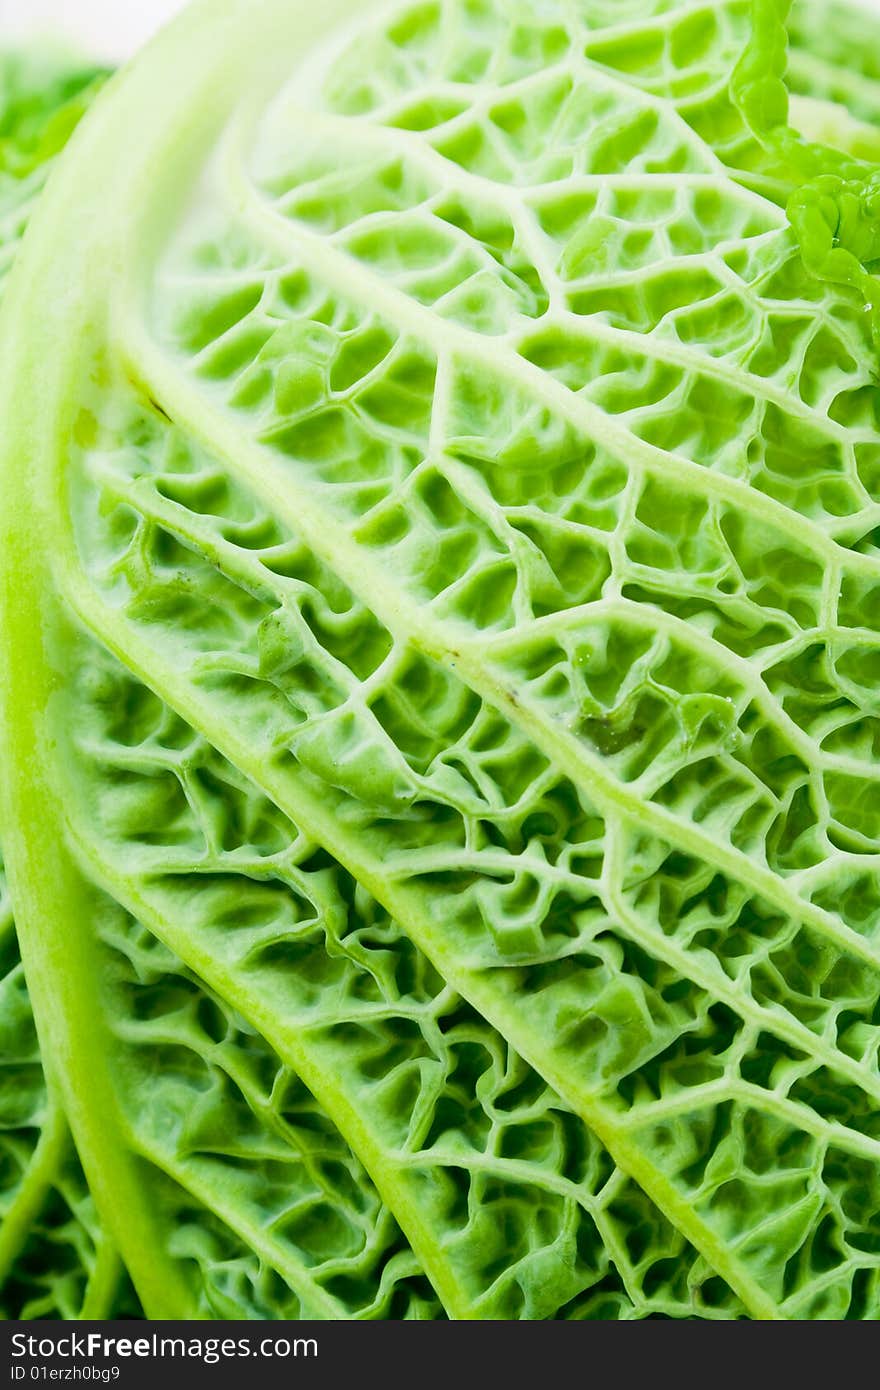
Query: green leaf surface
(55,1259)
(835,58)
(439,577)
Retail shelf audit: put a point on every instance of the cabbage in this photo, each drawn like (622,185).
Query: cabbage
(42,98)
(835,57)
(55,1259)
(439,558)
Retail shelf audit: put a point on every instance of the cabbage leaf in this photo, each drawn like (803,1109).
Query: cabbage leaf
(55,1259)
(439,566)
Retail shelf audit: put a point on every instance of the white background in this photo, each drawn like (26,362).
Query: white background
(112,29)
(105,29)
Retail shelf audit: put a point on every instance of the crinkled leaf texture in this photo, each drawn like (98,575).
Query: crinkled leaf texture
(440,576)
(42,98)
(55,1259)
